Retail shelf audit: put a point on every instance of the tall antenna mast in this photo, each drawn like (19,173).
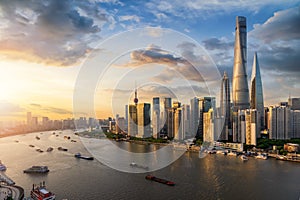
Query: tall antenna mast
(136,100)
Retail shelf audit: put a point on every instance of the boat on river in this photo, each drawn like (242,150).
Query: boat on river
(41,193)
(37,169)
(78,155)
(159,180)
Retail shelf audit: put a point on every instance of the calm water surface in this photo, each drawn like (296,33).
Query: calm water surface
(212,177)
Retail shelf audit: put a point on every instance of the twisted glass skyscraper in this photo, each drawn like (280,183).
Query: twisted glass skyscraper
(239,81)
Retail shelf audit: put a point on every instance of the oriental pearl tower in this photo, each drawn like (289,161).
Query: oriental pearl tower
(136,100)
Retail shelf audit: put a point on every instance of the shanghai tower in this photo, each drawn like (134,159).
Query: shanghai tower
(239,81)
(256,95)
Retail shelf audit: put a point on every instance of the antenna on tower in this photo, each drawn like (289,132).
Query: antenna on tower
(136,100)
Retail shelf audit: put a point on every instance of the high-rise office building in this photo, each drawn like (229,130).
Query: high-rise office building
(126,118)
(29,118)
(34,121)
(178,126)
(156,117)
(132,120)
(120,125)
(251,122)
(295,124)
(205,104)
(143,120)
(225,111)
(294,103)
(256,96)
(194,120)
(240,89)
(167,117)
(186,121)
(279,117)
(208,127)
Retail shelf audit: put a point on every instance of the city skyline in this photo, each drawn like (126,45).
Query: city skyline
(40,78)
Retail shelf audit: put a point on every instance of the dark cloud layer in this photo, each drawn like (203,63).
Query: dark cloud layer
(215,43)
(175,64)
(284,25)
(54,32)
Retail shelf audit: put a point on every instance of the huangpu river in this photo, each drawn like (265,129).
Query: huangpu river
(211,177)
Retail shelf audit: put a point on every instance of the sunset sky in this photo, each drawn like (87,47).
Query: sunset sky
(46,46)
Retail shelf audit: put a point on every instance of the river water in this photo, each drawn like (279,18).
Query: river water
(211,177)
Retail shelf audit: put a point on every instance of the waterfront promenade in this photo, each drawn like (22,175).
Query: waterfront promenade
(16,192)
(8,189)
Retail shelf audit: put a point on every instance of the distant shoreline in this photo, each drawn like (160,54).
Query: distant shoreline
(3,135)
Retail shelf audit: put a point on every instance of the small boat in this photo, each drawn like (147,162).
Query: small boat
(2,166)
(62,149)
(280,157)
(261,156)
(37,169)
(78,155)
(31,145)
(37,137)
(159,180)
(41,193)
(133,164)
(49,149)
(39,150)
(244,158)
(232,153)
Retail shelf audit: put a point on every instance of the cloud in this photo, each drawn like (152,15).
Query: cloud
(8,109)
(192,8)
(53,32)
(175,64)
(215,43)
(284,25)
(129,18)
(278,42)
(48,109)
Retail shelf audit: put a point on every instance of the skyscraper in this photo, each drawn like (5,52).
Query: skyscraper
(168,117)
(256,96)
(186,121)
(143,120)
(29,118)
(205,104)
(239,80)
(194,122)
(178,132)
(225,107)
(156,117)
(132,120)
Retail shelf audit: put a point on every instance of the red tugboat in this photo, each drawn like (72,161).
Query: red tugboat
(159,180)
(40,193)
